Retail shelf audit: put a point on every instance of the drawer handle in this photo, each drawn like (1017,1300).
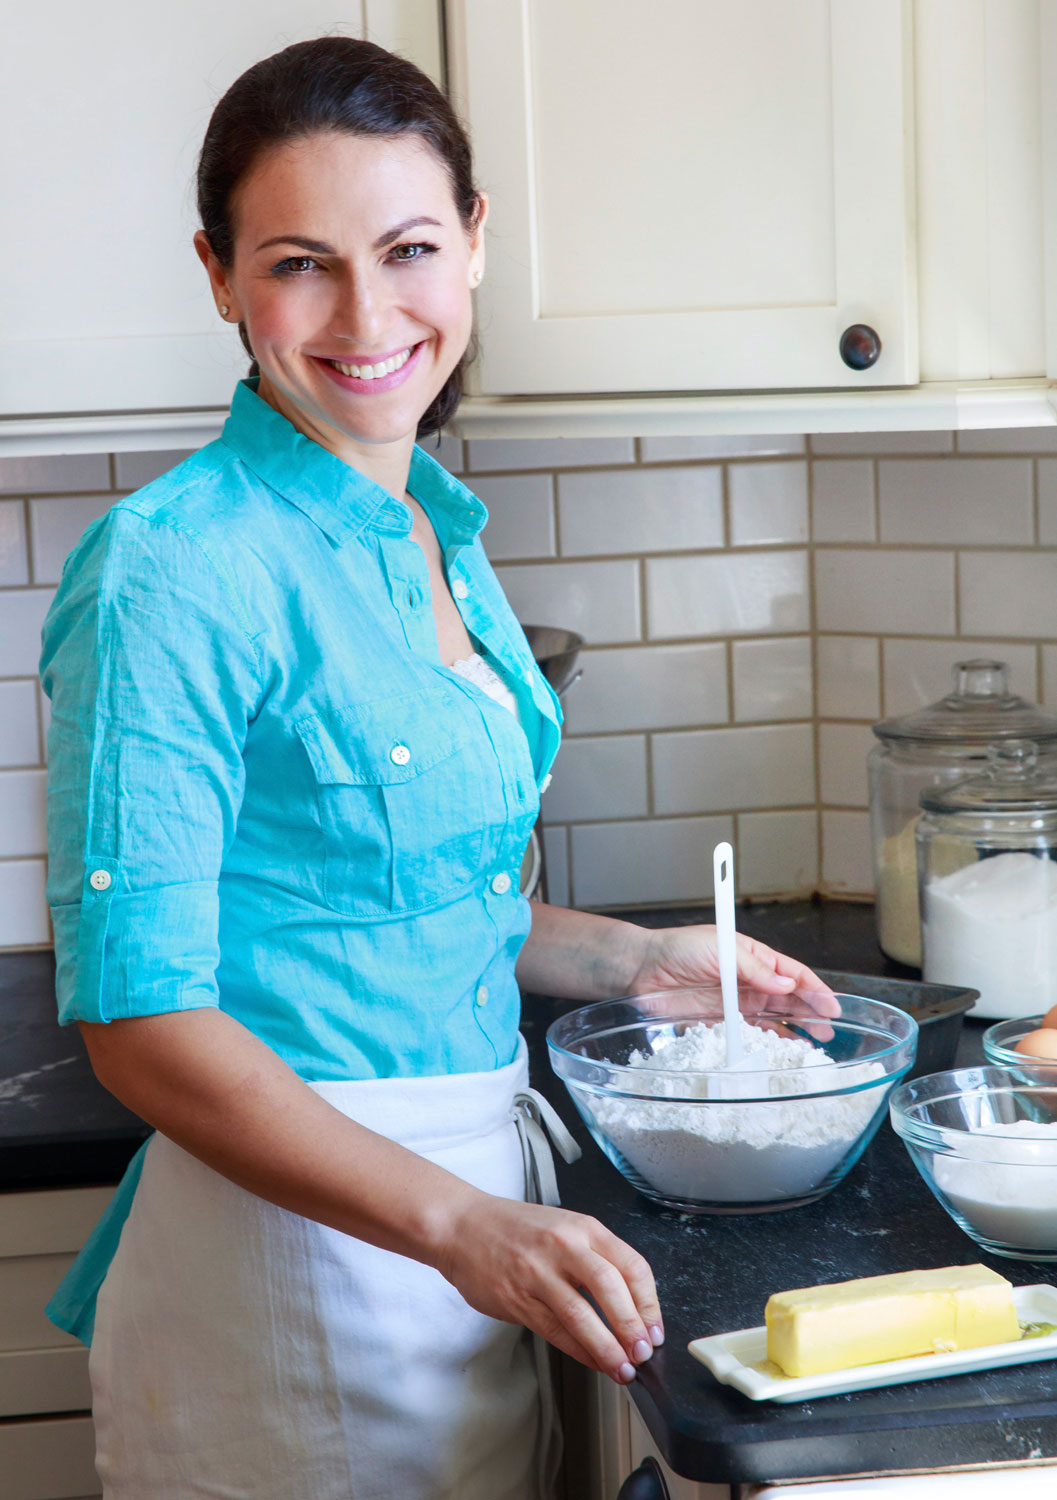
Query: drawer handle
(860,346)
(644,1483)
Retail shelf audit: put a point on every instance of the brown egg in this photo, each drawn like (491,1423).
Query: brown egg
(1049,1020)
(1042,1043)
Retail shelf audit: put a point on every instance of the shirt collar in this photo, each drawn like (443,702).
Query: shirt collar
(336,497)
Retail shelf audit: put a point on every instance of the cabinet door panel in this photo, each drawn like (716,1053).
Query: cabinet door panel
(643,1446)
(701,200)
(104,304)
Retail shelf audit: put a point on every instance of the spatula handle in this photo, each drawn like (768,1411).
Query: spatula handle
(723,872)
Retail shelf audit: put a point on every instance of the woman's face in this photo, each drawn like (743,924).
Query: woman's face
(352,272)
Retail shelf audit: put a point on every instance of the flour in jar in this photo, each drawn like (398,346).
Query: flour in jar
(1004,1182)
(738,1152)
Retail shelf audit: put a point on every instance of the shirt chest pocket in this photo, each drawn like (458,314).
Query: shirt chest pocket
(403,794)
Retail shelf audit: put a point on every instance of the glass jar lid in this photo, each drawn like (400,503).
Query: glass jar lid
(979,709)
(1014,783)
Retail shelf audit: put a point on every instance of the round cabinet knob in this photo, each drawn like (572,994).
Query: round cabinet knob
(860,346)
(644,1483)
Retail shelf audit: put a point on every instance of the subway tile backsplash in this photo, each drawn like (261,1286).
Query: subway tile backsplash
(972,501)
(727,593)
(14,560)
(752,604)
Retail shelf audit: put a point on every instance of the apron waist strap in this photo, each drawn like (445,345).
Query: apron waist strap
(536,1120)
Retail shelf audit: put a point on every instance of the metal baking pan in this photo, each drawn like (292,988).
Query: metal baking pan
(939,1010)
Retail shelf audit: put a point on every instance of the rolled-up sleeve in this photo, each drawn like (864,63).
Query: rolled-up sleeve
(151,665)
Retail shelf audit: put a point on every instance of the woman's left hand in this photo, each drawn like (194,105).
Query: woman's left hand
(678,957)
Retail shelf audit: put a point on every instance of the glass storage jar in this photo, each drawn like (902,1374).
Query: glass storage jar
(938,744)
(987,870)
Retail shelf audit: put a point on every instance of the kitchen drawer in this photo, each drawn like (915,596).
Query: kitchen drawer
(44,1380)
(1025,1481)
(49,1459)
(26,1286)
(49,1221)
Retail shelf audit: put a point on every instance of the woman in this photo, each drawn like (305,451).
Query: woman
(296,742)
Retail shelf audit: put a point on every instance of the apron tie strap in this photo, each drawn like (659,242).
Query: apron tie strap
(536,1120)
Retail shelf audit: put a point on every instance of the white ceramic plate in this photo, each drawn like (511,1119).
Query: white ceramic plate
(740,1359)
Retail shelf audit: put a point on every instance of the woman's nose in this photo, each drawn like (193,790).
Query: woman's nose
(359,311)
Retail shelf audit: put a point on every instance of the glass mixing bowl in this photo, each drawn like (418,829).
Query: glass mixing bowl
(713,1141)
(1000,1040)
(985,1141)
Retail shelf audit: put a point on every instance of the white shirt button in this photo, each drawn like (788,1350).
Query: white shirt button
(481,998)
(545,783)
(501,883)
(99,880)
(460,589)
(400,755)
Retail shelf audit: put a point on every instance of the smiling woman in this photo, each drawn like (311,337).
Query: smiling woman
(294,759)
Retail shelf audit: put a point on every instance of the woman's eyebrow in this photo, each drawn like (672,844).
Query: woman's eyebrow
(293,239)
(398,229)
(319,247)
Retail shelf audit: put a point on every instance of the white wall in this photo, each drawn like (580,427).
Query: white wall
(752,605)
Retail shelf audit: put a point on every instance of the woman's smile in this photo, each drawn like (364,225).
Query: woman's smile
(372,374)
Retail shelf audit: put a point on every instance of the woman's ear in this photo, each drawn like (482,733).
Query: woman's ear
(218,280)
(477,240)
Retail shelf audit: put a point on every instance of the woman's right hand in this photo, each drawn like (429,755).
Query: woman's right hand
(525,1263)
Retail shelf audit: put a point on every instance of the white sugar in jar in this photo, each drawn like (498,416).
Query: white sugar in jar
(992,927)
(987,866)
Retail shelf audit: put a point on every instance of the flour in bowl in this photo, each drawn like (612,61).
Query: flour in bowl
(723,1151)
(1004,1182)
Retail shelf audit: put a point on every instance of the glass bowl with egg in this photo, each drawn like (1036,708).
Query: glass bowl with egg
(985,1142)
(1025,1039)
(647,1075)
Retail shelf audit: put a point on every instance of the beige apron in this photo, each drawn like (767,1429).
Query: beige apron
(242,1352)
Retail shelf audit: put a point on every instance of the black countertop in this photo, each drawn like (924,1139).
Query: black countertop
(714,1273)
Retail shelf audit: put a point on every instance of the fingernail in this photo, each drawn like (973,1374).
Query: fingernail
(641,1350)
(626,1373)
(656,1335)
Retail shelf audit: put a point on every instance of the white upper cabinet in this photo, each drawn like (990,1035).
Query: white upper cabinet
(104,305)
(691,201)
(690,196)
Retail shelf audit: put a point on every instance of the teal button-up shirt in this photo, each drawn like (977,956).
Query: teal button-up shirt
(266,792)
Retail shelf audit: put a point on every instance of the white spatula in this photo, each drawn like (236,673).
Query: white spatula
(723,871)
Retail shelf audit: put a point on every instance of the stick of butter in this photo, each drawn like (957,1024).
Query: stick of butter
(875,1318)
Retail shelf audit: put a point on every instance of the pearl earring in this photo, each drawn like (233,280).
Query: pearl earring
(477,277)
(224,309)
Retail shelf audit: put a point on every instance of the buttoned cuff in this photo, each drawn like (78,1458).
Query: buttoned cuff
(139,953)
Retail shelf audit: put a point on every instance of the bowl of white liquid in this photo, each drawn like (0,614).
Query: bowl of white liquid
(985,1141)
(647,1076)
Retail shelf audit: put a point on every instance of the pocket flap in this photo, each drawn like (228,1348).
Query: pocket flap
(383,742)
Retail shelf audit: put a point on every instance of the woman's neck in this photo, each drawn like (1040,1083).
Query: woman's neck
(386,464)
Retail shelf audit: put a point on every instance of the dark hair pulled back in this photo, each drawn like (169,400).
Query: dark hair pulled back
(334,83)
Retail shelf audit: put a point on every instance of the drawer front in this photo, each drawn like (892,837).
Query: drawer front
(44,1380)
(48,1460)
(26,1285)
(49,1220)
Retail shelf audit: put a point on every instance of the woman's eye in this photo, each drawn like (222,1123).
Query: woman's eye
(295,265)
(412,252)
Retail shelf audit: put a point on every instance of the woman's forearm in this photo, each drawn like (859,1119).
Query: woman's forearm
(579,956)
(210,1085)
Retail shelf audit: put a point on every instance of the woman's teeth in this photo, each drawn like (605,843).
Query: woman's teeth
(372,372)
